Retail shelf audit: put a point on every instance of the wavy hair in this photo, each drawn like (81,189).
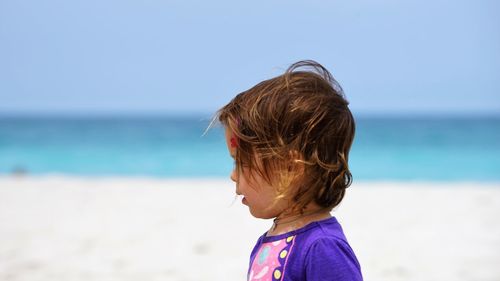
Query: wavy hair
(295,131)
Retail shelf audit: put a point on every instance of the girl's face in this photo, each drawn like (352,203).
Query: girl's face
(258,195)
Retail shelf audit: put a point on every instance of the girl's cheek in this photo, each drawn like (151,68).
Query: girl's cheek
(234,173)
(233,176)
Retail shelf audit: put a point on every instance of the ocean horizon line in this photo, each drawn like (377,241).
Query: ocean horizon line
(208,116)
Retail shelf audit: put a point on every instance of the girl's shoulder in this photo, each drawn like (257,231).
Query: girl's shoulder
(314,240)
(328,228)
(326,252)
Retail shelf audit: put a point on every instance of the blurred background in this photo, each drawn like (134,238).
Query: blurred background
(128,87)
(106,173)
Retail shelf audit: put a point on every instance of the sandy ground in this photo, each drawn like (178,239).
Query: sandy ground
(61,228)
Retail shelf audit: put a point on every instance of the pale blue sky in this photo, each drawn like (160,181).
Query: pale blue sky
(169,57)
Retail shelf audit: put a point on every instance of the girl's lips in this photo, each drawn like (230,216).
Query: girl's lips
(244,201)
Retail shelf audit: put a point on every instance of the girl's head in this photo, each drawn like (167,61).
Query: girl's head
(290,137)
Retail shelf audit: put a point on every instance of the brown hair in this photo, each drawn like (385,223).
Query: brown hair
(295,130)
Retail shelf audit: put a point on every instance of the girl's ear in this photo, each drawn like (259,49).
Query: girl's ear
(234,141)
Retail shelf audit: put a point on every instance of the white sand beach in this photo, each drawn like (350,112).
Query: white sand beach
(66,228)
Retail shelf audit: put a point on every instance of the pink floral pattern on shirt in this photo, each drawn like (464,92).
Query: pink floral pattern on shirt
(270,262)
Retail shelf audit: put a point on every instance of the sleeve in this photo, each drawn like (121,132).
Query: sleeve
(333,260)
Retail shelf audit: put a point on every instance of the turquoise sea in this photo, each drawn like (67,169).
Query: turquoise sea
(385,148)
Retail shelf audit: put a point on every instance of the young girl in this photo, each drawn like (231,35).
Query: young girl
(290,138)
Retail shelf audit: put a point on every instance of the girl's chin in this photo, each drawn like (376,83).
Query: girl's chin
(261,215)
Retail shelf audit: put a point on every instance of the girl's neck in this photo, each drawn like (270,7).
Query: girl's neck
(286,223)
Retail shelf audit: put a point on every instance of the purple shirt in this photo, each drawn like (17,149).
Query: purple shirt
(315,252)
